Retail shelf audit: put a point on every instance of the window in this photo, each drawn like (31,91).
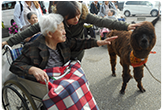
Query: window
(132,3)
(145,3)
(8,5)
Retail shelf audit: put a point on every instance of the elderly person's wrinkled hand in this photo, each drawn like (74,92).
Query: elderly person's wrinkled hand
(39,74)
(106,41)
(4,43)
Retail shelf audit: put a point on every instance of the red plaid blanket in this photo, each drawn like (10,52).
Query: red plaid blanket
(71,92)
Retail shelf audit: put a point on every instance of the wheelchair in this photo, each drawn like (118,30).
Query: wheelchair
(21,93)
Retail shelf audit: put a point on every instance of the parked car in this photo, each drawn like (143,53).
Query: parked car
(140,7)
(8,12)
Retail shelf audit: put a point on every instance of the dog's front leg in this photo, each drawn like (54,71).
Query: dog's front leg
(138,75)
(126,77)
(113,60)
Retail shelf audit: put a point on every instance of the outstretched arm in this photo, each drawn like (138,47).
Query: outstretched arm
(19,37)
(106,41)
(111,24)
(105,22)
(77,44)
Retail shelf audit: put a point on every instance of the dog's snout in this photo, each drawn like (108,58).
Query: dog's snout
(144,39)
(144,43)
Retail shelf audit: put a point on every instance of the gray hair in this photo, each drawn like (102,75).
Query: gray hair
(30,14)
(48,23)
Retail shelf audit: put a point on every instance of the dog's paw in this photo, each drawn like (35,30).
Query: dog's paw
(122,92)
(142,90)
(114,75)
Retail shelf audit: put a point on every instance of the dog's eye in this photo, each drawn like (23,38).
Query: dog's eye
(151,35)
(136,35)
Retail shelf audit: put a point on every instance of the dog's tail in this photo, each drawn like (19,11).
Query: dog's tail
(155,20)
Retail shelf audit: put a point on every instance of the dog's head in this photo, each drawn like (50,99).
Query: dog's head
(143,37)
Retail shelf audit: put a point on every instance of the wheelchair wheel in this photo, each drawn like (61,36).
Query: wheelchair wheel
(16,97)
(12,99)
(8,56)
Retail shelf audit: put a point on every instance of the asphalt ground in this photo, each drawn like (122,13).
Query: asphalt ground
(105,88)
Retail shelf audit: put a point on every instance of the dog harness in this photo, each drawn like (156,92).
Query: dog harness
(136,62)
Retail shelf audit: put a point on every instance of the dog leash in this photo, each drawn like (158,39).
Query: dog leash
(151,73)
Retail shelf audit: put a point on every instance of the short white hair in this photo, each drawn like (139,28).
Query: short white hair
(48,23)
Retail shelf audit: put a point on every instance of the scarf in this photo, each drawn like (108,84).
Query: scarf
(136,62)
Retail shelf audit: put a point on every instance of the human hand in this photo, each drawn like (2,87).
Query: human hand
(27,39)
(4,43)
(106,41)
(133,26)
(39,74)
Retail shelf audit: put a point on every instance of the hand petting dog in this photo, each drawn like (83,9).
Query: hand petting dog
(106,41)
(133,26)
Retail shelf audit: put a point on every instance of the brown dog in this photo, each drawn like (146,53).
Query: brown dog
(133,49)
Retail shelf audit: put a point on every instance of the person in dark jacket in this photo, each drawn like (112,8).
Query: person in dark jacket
(75,15)
(95,7)
(50,49)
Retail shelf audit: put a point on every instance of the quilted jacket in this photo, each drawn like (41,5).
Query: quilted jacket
(36,53)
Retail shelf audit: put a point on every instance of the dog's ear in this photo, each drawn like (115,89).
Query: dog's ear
(133,22)
(155,20)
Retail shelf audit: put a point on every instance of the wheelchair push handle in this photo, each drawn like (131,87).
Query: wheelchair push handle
(5,47)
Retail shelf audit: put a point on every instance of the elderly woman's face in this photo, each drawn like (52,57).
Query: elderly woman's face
(33,19)
(60,35)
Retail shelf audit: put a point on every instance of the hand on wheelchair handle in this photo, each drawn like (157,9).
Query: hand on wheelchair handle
(5,47)
(3,44)
(39,74)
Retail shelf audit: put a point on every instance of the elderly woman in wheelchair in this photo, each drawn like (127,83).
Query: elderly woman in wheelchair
(50,50)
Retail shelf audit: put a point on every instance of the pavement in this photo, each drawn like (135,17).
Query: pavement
(105,88)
